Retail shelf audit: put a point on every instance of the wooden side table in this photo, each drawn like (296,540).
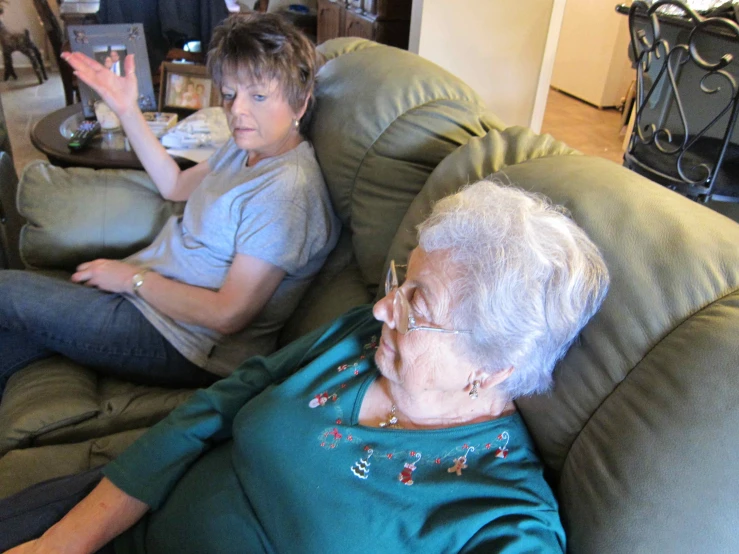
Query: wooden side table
(105,152)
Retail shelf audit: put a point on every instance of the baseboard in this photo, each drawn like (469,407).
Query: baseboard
(26,65)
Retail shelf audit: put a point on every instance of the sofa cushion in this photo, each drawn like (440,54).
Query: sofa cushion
(78,404)
(69,396)
(22,468)
(78,214)
(384,119)
(642,420)
(478,159)
(337,288)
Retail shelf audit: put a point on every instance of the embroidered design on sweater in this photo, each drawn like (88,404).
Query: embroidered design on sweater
(406,475)
(457,457)
(461,462)
(361,468)
(321,399)
(324,397)
(502,451)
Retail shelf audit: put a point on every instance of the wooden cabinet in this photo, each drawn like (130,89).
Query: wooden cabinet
(357,25)
(384,21)
(330,20)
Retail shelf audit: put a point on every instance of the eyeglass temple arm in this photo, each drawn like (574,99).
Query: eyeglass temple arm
(437,330)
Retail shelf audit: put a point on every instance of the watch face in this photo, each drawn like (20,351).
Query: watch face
(138,280)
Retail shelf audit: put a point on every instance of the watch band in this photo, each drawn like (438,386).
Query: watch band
(138,280)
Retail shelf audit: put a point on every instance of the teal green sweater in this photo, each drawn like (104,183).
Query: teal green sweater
(250,465)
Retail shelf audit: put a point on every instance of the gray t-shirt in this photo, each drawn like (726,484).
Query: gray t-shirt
(278,211)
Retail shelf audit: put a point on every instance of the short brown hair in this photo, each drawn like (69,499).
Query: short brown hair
(265,47)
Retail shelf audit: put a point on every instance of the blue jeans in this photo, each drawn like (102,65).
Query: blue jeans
(41,316)
(26,515)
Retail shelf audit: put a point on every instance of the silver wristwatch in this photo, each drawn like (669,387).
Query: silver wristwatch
(138,280)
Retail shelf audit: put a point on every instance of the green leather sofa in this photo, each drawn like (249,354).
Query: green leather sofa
(641,431)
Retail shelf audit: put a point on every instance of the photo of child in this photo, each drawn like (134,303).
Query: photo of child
(188,92)
(111,57)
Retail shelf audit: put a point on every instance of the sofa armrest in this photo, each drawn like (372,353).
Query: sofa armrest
(69,393)
(22,468)
(78,214)
(78,403)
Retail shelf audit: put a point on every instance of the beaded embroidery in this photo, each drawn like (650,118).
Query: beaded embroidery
(458,462)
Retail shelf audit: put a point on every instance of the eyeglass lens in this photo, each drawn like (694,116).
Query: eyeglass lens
(400,312)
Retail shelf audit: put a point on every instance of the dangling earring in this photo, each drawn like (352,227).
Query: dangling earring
(296,123)
(475,389)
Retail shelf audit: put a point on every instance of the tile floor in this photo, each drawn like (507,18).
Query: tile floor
(24,103)
(590,130)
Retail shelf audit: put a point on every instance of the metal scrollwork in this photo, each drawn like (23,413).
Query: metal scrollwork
(661,121)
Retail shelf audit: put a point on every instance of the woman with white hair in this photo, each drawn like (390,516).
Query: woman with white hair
(398,434)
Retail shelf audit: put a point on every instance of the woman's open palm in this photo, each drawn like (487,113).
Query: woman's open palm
(120,93)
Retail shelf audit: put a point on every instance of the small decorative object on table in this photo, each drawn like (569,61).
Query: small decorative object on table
(106,117)
(109,45)
(186,88)
(160,122)
(196,137)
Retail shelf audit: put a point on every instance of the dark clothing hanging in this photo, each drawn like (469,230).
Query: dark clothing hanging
(167,23)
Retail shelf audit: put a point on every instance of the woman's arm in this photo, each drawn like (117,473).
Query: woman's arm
(100,517)
(121,94)
(249,284)
(152,466)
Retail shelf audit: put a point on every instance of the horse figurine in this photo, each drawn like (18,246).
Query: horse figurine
(20,42)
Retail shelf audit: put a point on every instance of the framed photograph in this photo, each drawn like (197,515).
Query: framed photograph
(109,45)
(186,88)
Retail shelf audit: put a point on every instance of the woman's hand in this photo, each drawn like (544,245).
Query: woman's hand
(108,275)
(25,548)
(120,93)
(34,547)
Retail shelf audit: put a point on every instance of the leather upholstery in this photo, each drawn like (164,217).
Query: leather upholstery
(640,429)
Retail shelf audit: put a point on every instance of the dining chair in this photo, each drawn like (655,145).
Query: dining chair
(56,37)
(687,101)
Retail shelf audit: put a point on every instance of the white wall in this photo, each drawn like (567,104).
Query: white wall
(20,15)
(498,47)
(592,59)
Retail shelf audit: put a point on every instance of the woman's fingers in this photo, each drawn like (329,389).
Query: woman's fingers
(79,61)
(129,65)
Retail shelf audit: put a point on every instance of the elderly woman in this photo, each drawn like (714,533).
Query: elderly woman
(398,436)
(217,284)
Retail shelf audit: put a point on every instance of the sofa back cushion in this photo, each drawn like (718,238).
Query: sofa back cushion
(642,421)
(75,215)
(384,120)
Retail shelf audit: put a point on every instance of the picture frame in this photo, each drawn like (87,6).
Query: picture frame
(185,88)
(109,44)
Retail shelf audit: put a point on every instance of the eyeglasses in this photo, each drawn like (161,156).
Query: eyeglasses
(403,317)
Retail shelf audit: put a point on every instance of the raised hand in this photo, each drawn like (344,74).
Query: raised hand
(120,93)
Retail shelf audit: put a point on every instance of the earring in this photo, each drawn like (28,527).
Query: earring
(296,123)
(475,389)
